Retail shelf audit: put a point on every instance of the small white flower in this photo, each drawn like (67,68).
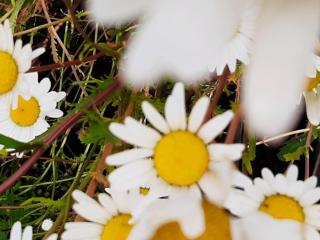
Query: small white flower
(107,219)
(178,154)
(283,197)
(15,61)
(28,120)
(176,38)
(17,233)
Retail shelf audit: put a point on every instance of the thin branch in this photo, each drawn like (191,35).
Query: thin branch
(232,131)
(222,82)
(283,136)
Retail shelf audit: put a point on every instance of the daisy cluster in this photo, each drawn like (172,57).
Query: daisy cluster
(25,102)
(177,180)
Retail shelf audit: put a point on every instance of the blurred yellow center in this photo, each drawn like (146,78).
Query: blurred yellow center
(117,228)
(283,207)
(313,82)
(181,158)
(144,191)
(8,72)
(217,226)
(27,113)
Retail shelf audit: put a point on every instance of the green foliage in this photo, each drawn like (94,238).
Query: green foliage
(250,155)
(293,149)
(97,132)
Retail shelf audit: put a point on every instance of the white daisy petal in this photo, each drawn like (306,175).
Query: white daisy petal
(312,234)
(220,152)
(128,135)
(312,106)
(172,112)
(145,132)
(128,156)
(155,118)
(215,126)
(310,197)
(82,230)
(268,176)
(131,175)
(108,203)
(27,233)
(198,114)
(281,184)
(292,174)
(179,94)
(16,231)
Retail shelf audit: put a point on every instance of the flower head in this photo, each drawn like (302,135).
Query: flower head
(176,154)
(282,197)
(28,119)
(15,61)
(107,219)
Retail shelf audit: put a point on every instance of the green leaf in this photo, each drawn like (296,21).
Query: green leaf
(250,155)
(293,149)
(11,143)
(97,132)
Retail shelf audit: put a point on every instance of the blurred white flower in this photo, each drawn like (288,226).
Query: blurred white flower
(176,38)
(286,35)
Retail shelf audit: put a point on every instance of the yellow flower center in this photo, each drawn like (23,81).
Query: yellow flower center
(313,82)
(283,207)
(181,158)
(217,226)
(117,228)
(27,112)
(8,72)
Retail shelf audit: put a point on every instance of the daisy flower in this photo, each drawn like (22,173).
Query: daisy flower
(187,217)
(15,61)
(175,38)
(239,46)
(107,219)
(286,34)
(28,120)
(282,197)
(17,233)
(176,154)
(312,93)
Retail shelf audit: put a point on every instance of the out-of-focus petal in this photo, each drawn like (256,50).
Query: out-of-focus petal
(287,33)
(179,38)
(113,12)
